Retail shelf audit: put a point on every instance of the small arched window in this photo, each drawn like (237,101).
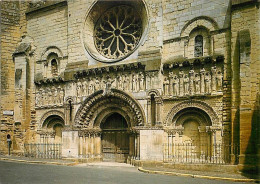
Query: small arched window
(198,48)
(153,110)
(54,67)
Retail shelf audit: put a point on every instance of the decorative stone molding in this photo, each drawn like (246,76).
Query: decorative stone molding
(90,132)
(188,104)
(50,113)
(154,92)
(85,114)
(201,21)
(51,50)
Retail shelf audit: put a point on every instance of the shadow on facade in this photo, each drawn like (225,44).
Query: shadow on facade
(253,149)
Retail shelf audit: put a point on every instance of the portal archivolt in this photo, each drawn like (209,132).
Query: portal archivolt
(100,104)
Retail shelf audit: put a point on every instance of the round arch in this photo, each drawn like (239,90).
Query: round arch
(202,21)
(49,50)
(191,113)
(200,107)
(106,112)
(91,111)
(53,113)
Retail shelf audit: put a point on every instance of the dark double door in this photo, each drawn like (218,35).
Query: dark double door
(115,146)
(115,139)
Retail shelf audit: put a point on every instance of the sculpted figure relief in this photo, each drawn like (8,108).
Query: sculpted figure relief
(197,83)
(181,75)
(171,84)
(219,80)
(141,81)
(78,89)
(202,80)
(97,84)
(38,98)
(213,82)
(208,82)
(166,86)
(91,87)
(61,96)
(85,88)
(186,84)
(126,82)
(55,95)
(137,84)
(133,83)
(50,97)
(191,86)
(175,86)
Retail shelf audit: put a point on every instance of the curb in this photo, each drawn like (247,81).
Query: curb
(38,162)
(197,176)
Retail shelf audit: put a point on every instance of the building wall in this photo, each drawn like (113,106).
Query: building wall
(56,30)
(13,26)
(245,82)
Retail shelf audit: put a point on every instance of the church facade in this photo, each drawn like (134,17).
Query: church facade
(126,81)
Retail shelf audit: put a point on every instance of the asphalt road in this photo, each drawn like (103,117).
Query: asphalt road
(23,173)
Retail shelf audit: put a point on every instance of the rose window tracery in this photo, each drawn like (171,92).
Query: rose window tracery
(117,32)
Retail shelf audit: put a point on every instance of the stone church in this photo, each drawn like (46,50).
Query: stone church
(131,80)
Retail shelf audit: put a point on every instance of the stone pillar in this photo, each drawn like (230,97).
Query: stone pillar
(98,144)
(84,146)
(158,102)
(87,137)
(92,144)
(80,144)
(131,145)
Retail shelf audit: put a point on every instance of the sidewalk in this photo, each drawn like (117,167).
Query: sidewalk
(152,170)
(201,174)
(37,160)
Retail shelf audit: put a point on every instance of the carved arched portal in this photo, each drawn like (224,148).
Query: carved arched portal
(109,119)
(193,132)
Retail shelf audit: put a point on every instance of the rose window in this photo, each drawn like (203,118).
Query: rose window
(118,32)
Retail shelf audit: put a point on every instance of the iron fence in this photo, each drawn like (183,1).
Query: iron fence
(50,151)
(200,153)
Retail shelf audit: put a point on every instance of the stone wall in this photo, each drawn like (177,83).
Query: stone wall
(13,26)
(166,72)
(245,82)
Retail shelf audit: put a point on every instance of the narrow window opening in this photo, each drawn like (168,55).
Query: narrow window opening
(153,110)
(54,67)
(70,105)
(198,49)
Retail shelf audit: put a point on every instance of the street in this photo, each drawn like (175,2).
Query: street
(24,173)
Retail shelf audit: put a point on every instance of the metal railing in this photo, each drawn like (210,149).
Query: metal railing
(200,153)
(40,150)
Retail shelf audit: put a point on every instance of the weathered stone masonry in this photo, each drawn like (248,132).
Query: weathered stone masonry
(86,74)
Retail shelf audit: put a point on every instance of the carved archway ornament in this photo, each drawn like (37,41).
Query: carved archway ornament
(49,50)
(48,114)
(102,102)
(191,104)
(202,21)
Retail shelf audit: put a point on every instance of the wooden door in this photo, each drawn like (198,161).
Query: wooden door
(115,139)
(115,146)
